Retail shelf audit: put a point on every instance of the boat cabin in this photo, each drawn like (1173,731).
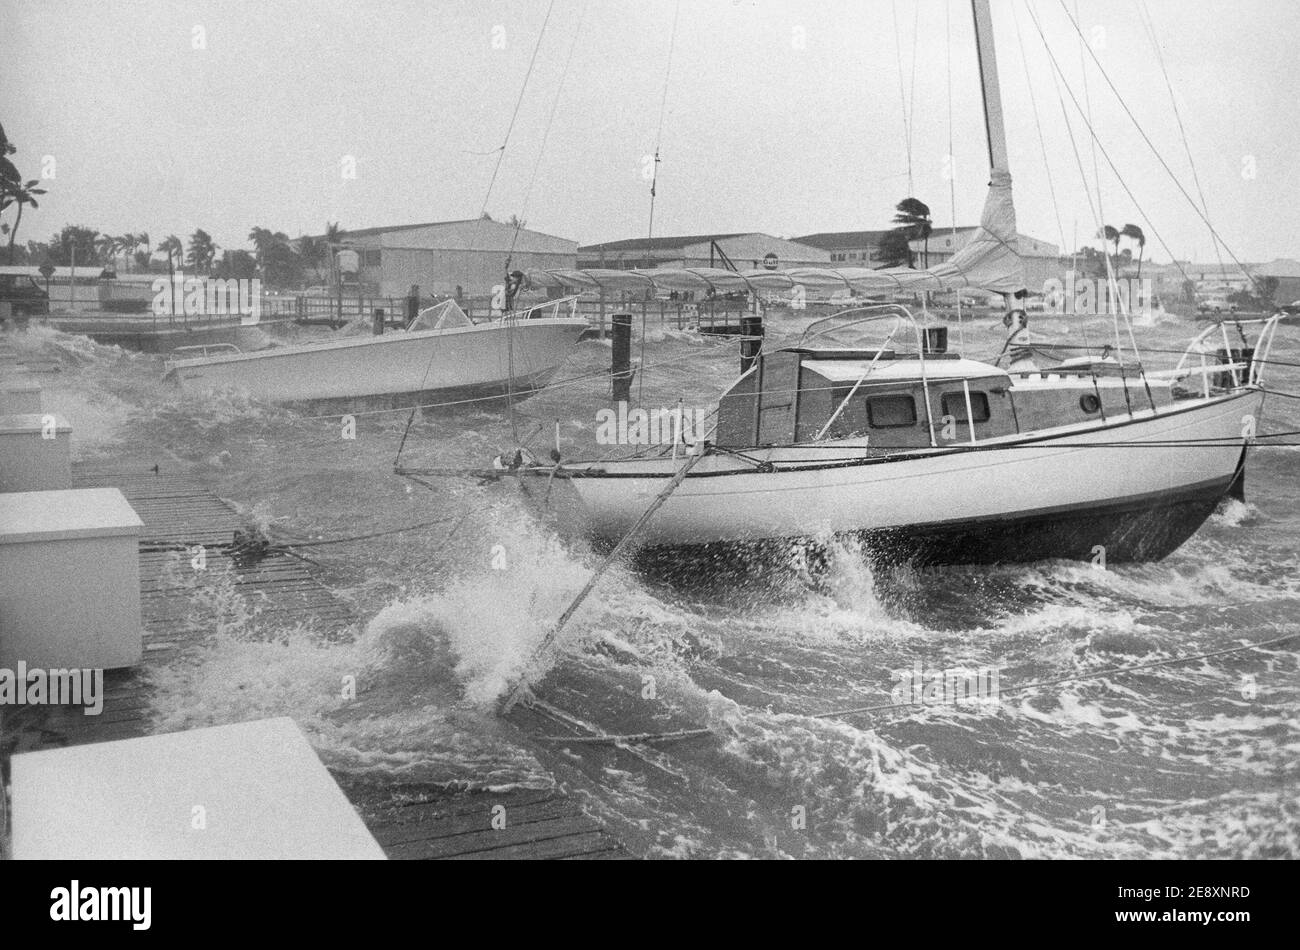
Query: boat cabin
(889,400)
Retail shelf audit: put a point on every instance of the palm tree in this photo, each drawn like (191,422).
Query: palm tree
(1134,233)
(18,194)
(894,249)
(106,245)
(1110,234)
(312,252)
(262,239)
(202,252)
(171,246)
(9,177)
(914,217)
(141,257)
(127,244)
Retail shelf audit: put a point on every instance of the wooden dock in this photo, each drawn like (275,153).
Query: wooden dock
(409,821)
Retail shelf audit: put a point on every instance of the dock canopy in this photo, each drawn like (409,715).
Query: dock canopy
(990,261)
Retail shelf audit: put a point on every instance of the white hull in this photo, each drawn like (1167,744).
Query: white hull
(1029,480)
(459,358)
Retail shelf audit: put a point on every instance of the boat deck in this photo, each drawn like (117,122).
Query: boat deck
(408,820)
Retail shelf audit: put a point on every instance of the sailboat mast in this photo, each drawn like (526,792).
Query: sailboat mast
(988,63)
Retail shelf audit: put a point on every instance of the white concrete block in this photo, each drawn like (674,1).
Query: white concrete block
(35,452)
(251,790)
(20,396)
(69,579)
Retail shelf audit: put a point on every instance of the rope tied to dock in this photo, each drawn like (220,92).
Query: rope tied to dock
(522,686)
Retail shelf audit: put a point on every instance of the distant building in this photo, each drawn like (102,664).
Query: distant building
(1287,272)
(444,257)
(1216,279)
(858,249)
(847,248)
(745,250)
(1168,281)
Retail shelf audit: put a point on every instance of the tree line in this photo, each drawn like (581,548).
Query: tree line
(275,258)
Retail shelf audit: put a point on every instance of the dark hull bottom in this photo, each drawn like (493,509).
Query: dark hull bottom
(1139,529)
(485,396)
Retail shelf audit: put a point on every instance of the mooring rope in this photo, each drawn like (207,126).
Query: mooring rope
(623,544)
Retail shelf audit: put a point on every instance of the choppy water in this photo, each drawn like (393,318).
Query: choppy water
(1173,762)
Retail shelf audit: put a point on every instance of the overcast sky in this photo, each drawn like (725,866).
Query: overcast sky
(781,116)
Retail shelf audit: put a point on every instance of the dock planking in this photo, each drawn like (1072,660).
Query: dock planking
(409,821)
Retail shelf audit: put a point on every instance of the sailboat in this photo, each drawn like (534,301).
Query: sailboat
(868,427)
(441,355)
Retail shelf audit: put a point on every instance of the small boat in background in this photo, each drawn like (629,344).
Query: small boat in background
(442,355)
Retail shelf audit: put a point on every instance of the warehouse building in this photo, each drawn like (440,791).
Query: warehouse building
(847,248)
(858,249)
(741,250)
(446,258)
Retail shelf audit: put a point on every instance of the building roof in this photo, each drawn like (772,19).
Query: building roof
(1227,269)
(1282,267)
(346,233)
(841,240)
(660,243)
(367,232)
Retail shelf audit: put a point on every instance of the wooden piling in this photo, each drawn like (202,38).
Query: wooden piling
(751,329)
(621,359)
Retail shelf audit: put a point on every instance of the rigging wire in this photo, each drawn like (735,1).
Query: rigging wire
(952,166)
(1051,185)
(1086,115)
(902,90)
(663,109)
(1063,82)
(1149,25)
(1155,151)
(546,134)
(654,179)
(1112,284)
(1038,123)
(487,197)
(523,89)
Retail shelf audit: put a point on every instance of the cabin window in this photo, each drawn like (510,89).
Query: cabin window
(954,404)
(891,412)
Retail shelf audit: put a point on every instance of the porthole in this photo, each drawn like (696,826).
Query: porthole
(1089,403)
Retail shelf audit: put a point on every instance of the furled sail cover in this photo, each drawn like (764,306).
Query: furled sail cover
(990,261)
